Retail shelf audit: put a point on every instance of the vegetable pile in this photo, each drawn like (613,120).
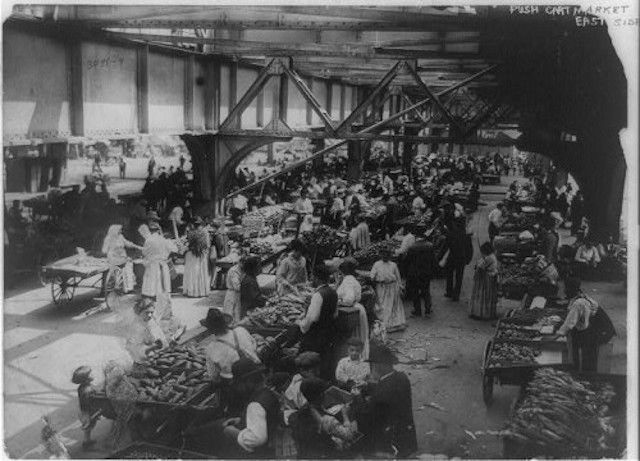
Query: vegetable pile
(505,354)
(172,375)
(518,274)
(368,256)
(260,248)
(279,311)
(519,222)
(324,240)
(517,334)
(269,215)
(563,417)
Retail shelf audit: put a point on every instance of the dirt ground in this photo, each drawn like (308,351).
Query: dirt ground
(43,344)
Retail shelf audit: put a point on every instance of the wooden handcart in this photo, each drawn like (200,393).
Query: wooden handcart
(554,354)
(67,274)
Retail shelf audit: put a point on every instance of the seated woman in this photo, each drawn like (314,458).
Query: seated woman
(586,260)
(146,334)
(349,295)
(317,434)
(250,294)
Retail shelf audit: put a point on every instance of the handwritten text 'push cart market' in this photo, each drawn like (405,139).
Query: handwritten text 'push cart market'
(612,15)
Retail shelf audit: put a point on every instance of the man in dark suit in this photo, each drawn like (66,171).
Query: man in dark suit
(385,415)
(460,252)
(420,267)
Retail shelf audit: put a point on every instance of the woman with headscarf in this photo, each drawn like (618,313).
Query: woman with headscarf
(196,262)
(349,295)
(232,305)
(120,278)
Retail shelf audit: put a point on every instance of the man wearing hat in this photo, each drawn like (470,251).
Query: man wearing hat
(254,433)
(227,347)
(386,418)
(250,435)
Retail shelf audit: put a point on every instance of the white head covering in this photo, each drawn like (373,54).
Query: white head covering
(112,235)
(144,231)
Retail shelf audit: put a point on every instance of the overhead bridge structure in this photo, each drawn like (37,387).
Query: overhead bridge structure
(230,79)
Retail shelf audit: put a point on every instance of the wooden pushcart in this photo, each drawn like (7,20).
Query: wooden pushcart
(554,354)
(67,274)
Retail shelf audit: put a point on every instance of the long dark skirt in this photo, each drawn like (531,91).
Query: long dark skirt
(484,298)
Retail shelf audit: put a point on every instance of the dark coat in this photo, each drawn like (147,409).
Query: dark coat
(388,416)
(420,262)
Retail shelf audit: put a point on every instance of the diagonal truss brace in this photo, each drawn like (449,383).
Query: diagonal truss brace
(256,87)
(379,88)
(310,98)
(436,100)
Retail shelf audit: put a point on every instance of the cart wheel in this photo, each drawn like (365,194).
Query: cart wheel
(63,290)
(487,389)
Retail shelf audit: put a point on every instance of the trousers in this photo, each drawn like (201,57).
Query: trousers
(454,272)
(421,291)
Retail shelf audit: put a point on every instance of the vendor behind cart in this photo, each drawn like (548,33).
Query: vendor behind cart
(292,270)
(317,328)
(226,348)
(587,323)
(146,334)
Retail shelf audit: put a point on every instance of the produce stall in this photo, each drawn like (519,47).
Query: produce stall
(172,378)
(324,242)
(508,246)
(366,257)
(269,324)
(524,341)
(568,415)
(67,274)
(265,220)
(269,249)
(279,312)
(516,280)
(519,222)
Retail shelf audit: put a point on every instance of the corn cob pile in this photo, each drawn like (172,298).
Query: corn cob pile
(563,417)
(279,311)
(171,375)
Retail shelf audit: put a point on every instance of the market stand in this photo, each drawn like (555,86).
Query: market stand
(522,343)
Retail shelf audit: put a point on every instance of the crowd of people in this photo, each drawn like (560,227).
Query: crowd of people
(278,408)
